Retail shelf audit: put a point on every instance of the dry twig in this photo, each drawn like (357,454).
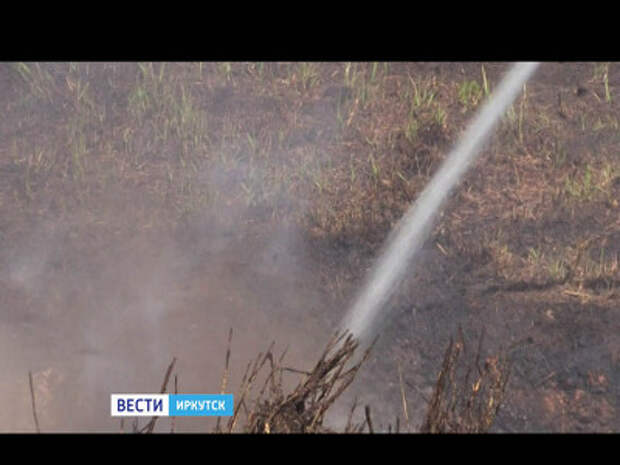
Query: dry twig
(460,406)
(303,410)
(34,409)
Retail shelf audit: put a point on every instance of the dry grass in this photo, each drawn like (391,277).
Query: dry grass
(302,410)
(466,398)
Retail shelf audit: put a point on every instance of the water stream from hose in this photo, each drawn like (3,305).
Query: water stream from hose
(412,231)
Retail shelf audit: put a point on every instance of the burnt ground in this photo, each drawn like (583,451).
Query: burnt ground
(146,209)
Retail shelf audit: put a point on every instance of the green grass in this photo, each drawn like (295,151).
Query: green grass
(601,75)
(307,75)
(470,94)
(424,109)
(592,183)
(557,270)
(41,84)
(164,134)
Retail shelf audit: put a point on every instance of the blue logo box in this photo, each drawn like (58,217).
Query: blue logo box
(173,405)
(200,405)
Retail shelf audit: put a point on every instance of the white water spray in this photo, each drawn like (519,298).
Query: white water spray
(413,229)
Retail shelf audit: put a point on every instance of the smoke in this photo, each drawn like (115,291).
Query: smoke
(91,314)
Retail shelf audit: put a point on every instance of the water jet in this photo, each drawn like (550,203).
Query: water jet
(413,229)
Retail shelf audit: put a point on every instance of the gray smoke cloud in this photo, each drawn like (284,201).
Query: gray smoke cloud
(110,318)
